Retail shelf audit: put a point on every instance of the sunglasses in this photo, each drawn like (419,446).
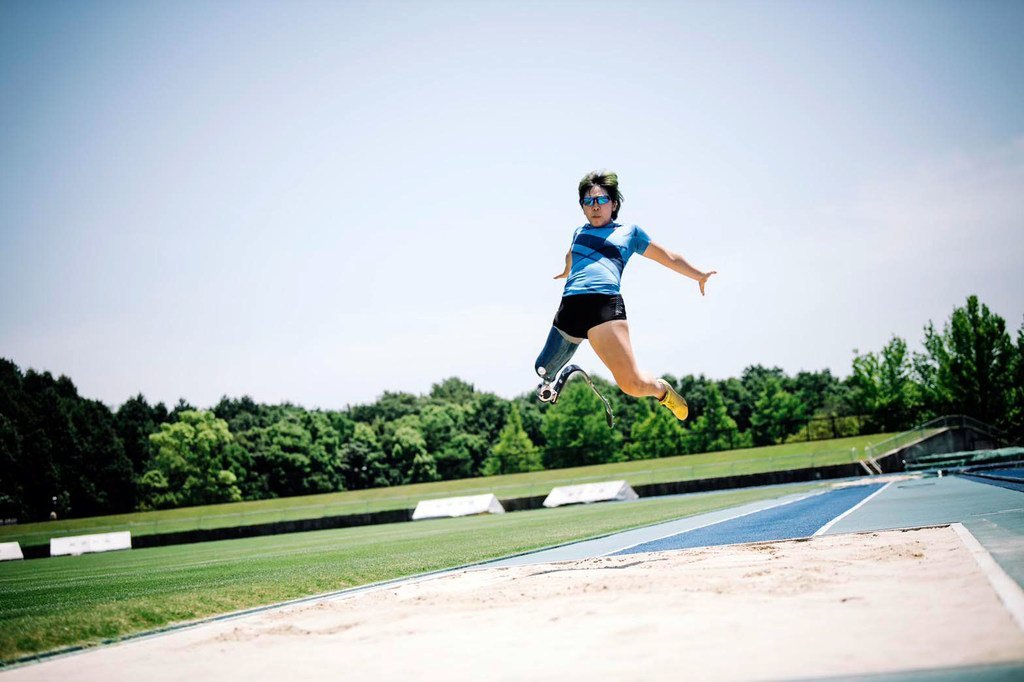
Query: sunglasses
(601,201)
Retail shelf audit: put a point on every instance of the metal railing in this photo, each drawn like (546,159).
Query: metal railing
(930,428)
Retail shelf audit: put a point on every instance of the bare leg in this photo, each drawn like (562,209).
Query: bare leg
(610,340)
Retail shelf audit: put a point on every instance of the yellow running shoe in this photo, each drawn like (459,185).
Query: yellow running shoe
(674,402)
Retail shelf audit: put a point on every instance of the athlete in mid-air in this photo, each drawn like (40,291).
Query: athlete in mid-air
(591,306)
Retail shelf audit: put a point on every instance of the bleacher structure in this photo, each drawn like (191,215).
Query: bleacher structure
(967,460)
(950,443)
(928,445)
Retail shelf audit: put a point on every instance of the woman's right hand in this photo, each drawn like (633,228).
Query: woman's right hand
(568,266)
(703,279)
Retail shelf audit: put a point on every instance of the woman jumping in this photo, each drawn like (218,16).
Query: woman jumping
(591,306)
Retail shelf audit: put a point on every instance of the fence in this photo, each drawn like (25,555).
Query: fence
(647,475)
(637,473)
(790,431)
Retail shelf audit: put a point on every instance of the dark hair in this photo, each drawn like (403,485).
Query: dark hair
(606,180)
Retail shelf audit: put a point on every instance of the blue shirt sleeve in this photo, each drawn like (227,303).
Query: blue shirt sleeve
(639,240)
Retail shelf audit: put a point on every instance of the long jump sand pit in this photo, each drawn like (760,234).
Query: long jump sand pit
(833,605)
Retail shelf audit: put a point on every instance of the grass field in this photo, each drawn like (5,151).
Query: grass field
(639,472)
(48,604)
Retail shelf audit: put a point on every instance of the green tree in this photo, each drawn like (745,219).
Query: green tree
(97,475)
(286,456)
(182,406)
(715,429)
(817,392)
(967,367)
(627,409)
(452,390)
(532,411)
(191,464)
(135,420)
(256,478)
(576,431)
(410,461)
(327,466)
(657,434)
(695,390)
(391,406)
(486,415)
(458,457)
(737,400)
(57,444)
(777,413)
(244,413)
(402,439)
(1016,413)
(884,388)
(423,469)
(440,423)
(343,425)
(33,444)
(753,380)
(367,464)
(514,452)
(298,454)
(12,492)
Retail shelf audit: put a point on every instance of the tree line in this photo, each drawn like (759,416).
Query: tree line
(65,454)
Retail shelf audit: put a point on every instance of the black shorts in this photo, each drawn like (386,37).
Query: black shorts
(579,313)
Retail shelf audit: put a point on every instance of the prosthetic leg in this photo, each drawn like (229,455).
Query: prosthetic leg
(557,351)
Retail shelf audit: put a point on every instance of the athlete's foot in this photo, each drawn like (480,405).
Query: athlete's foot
(674,402)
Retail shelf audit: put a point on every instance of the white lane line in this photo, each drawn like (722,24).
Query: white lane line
(849,511)
(713,523)
(1006,587)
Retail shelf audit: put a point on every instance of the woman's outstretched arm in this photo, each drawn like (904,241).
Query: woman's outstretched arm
(673,261)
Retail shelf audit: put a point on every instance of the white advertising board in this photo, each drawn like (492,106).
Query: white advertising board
(457,506)
(590,492)
(10,550)
(81,544)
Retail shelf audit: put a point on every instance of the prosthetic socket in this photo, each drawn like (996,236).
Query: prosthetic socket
(558,350)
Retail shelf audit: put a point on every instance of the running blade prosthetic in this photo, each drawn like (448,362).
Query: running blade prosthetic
(549,392)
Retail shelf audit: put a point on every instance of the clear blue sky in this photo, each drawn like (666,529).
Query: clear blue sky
(317,202)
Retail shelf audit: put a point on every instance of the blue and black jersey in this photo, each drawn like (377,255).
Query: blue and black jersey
(599,255)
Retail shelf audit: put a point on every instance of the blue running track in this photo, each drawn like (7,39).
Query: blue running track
(1008,473)
(795,520)
(1012,479)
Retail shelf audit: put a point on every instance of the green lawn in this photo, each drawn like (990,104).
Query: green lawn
(47,604)
(639,472)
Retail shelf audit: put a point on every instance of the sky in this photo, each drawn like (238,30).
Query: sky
(316,202)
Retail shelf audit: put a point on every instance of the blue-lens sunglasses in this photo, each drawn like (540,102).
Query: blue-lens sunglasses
(601,201)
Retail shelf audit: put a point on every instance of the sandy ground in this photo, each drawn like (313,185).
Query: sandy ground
(846,604)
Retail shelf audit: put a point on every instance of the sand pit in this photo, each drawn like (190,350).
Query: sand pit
(847,604)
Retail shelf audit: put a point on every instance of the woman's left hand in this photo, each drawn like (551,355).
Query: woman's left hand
(702,280)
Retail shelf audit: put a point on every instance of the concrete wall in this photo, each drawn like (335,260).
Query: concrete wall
(955,439)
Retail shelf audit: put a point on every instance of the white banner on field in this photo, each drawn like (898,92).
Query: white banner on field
(457,506)
(590,492)
(10,550)
(81,544)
